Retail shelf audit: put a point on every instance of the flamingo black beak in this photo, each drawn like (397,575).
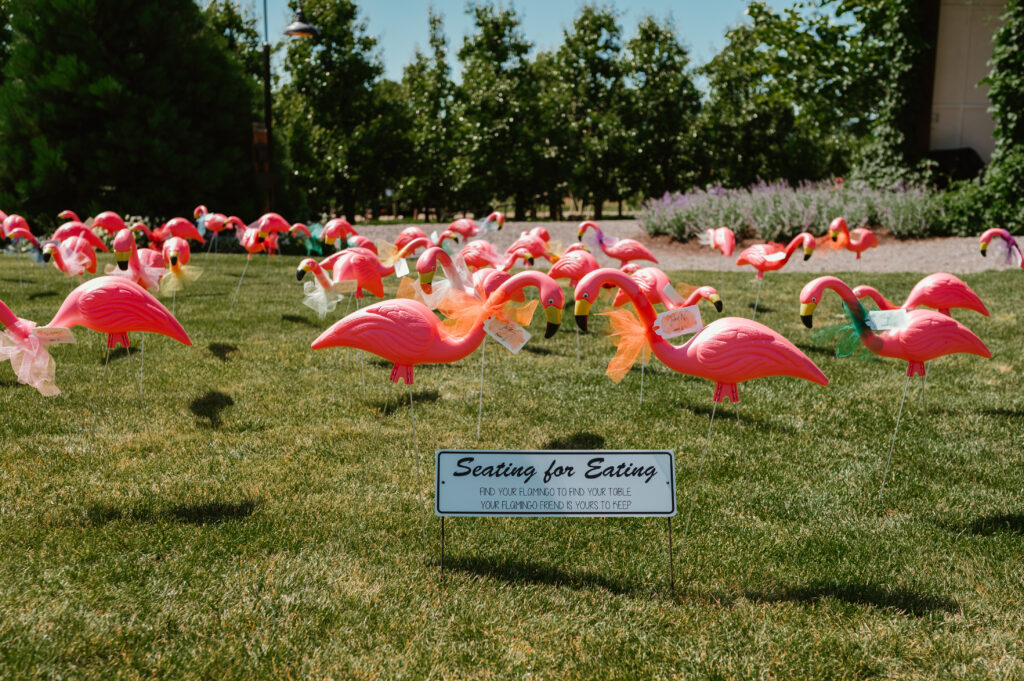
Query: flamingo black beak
(553,315)
(425,280)
(807,256)
(582,312)
(983,247)
(807,314)
(299,274)
(716,301)
(834,235)
(46,256)
(174,260)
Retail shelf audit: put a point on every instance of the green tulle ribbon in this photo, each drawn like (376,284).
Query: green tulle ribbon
(847,336)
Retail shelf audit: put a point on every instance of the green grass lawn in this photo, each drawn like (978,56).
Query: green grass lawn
(238,522)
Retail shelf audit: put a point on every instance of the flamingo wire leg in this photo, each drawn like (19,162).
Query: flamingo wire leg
(383,415)
(892,446)
(577,346)
(757,299)
(21,284)
(480,406)
(362,361)
(643,369)
(235,297)
(412,412)
(696,485)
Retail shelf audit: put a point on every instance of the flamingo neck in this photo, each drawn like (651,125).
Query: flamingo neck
(58,259)
(692,299)
(321,277)
(600,234)
(858,315)
(873,294)
(797,241)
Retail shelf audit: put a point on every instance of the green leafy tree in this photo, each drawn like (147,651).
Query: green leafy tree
(662,116)
(590,69)
(428,93)
(552,165)
(327,107)
(238,27)
(498,108)
(101,107)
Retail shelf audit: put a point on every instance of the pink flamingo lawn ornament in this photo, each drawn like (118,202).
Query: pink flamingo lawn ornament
(16,228)
(468,229)
(408,333)
(939,291)
(252,239)
(860,240)
(774,256)
(574,264)
(721,239)
(657,287)
(411,234)
(728,351)
(1012,246)
(926,335)
(480,254)
(116,306)
(72,256)
(109,221)
(177,254)
(335,229)
(321,294)
(68,215)
(143,266)
(27,352)
(535,242)
(622,250)
(75,228)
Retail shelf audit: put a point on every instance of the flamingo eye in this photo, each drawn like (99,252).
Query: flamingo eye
(813,299)
(551,301)
(586,295)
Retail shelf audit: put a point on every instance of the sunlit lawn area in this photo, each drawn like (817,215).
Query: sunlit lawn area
(239,520)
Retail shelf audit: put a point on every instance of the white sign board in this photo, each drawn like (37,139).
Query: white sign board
(590,483)
(884,320)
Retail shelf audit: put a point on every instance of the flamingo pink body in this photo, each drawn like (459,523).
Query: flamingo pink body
(858,241)
(216,223)
(179,227)
(336,228)
(465,227)
(534,243)
(721,239)
(1007,238)
(72,256)
(574,264)
(653,282)
(727,351)
(927,335)
(251,239)
(75,228)
(772,256)
(12,222)
(116,306)
(407,333)
(22,233)
(110,221)
(411,235)
(273,223)
(360,241)
(143,266)
(939,291)
(364,268)
(622,250)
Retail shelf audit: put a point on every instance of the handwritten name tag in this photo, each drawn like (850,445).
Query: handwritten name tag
(401,268)
(510,335)
(54,334)
(883,320)
(672,295)
(347,286)
(678,322)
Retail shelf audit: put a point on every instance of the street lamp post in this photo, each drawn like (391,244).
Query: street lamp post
(299,28)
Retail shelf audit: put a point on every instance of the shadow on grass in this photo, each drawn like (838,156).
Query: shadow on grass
(210,513)
(298,319)
(222,350)
(576,441)
(1013,412)
(529,572)
(761,308)
(819,350)
(210,405)
(726,411)
(115,354)
(540,350)
(400,400)
(1003,523)
(906,602)
(42,294)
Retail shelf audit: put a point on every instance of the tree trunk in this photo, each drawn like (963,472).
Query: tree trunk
(598,206)
(620,209)
(520,203)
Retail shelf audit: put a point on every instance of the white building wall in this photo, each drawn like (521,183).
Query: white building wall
(960,116)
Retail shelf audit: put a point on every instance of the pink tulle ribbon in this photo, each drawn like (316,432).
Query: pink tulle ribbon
(30,360)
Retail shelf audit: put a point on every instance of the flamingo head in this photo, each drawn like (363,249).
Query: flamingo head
(836,226)
(124,244)
(448,234)
(710,294)
(583,226)
(526,256)
(808,244)
(552,299)
(68,215)
(200,210)
(48,248)
(988,235)
(590,287)
(812,293)
(541,233)
(497,218)
(576,247)
(299,228)
(306,265)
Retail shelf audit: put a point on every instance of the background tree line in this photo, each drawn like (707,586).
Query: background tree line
(148,108)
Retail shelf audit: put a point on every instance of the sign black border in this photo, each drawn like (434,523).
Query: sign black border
(573,452)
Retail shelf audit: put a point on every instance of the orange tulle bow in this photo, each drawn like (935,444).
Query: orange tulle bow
(630,339)
(825,241)
(463,311)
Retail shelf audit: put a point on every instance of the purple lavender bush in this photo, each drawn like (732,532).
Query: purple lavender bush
(777,210)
